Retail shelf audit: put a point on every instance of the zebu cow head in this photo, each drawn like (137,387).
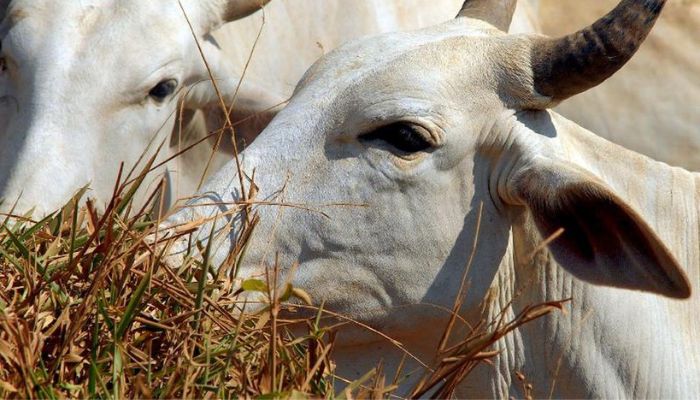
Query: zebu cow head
(402,139)
(87,85)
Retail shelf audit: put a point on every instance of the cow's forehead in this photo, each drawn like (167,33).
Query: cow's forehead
(88,16)
(95,32)
(54,6)
(100,49)
(392,57)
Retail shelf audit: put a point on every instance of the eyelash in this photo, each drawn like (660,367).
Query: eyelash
(163,90)
(401,136)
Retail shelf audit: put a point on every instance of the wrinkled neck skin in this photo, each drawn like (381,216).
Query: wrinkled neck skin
(609,338)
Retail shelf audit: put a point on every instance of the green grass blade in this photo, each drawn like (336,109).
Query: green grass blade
(73,232)
(132,308)
(203,278)
(23,250)
(15,262)
(29,232)
(94,376)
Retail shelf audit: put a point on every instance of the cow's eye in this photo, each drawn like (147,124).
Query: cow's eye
(163,90)
(402,136)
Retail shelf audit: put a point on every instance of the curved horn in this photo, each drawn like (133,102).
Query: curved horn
(211,14)
(237,9)
(573,64)
(498,13)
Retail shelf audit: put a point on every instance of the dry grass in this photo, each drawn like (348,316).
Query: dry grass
(88,310)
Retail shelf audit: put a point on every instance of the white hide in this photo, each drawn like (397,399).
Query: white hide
(398,245)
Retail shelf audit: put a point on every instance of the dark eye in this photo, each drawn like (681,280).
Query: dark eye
(402,136)
(163,90)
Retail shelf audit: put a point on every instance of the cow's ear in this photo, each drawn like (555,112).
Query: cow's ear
(251,104)
(246,92)
(604,241)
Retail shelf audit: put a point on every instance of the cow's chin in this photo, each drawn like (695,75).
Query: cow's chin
(367,311)
(370,322)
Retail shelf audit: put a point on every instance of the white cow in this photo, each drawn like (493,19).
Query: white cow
(421,130)
(85,85)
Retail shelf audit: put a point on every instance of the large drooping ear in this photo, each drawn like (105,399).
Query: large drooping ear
(604,240)
(227,83)
(252,110)
(209,15)
(498,13)
(252,105)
